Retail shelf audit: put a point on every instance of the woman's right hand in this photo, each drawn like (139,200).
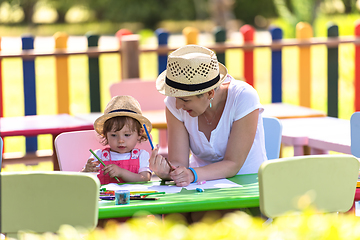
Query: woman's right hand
(158,164)
(91,166)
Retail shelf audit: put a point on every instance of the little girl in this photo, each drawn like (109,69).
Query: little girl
(121,127)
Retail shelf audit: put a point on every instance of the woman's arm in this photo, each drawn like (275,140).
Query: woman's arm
(241,138)
(178,148)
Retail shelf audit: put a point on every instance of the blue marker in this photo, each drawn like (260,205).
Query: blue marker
(147,133)
(199,189)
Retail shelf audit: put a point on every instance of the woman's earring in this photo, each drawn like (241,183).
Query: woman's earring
(211,99)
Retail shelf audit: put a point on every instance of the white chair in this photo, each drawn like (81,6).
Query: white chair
(355,134)
(72,148)
(273,133)
(148,97)
(43,201)
(329,180)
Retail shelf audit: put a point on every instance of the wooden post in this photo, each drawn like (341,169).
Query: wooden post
(276,66)
(248,35)
(62,74)
(130,56)
(220,37)
(163,37)
(333,73)
(191,35)
(94,75)
(119,34)
(29,89)
(304,32)
(357,69)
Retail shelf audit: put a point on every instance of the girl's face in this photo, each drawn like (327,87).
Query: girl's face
(123,141)
(194,105)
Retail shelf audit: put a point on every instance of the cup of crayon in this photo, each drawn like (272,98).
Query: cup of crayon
(122,197)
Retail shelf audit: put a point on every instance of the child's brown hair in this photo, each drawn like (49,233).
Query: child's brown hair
(117,123)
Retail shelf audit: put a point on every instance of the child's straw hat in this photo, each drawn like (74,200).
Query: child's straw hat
(191,70)
(121,106)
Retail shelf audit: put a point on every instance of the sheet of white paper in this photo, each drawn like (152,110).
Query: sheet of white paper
(155,186)
(220,183)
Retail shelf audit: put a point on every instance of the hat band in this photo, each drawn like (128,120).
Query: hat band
(123,110)
(192,87)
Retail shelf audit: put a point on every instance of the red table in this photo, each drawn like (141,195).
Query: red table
(42,124)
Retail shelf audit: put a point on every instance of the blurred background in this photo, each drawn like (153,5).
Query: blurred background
(44,18)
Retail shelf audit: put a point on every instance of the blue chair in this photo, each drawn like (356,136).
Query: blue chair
(273,133)
(355,134)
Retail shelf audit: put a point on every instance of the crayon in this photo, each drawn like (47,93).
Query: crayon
(141,198)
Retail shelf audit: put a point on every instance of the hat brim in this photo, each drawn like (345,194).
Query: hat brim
(166,90)
(99,123)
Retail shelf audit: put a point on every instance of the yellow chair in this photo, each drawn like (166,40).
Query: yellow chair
(329,180)
(43,201)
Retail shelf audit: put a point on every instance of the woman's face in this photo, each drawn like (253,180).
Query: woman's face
(194,105)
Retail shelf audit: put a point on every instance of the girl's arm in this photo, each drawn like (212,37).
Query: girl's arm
(241,138)
(126,175)
(178,148)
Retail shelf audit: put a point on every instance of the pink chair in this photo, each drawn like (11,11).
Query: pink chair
(72,148)
(149,98)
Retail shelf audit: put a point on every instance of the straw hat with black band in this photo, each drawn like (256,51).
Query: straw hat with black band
(122,106)
(191,70)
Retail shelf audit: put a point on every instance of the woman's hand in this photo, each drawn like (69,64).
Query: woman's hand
(113,170)
(158,164)
(182,176)
(91,166)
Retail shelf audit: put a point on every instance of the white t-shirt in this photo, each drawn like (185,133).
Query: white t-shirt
(241,100)
(115,156)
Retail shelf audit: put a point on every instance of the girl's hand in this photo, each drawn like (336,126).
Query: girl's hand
(182,176)
(158,164)
(92,166)
(113,170)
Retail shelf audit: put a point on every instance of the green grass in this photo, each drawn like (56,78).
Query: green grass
(110,72)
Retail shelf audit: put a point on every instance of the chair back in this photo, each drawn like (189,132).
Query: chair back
(273,133)
(148,97)
(43,201)
(72,148)
(329,180)
(355,134)
(143,91)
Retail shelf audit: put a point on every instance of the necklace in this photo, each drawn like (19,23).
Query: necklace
(209,123)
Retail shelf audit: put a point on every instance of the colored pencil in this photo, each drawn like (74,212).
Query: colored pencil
(147,133)
(101,162)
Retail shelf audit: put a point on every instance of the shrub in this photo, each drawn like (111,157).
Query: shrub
(236,225)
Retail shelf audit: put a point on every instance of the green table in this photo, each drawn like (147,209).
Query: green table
(190,200)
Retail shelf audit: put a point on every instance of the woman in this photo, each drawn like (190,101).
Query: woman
(212,115)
